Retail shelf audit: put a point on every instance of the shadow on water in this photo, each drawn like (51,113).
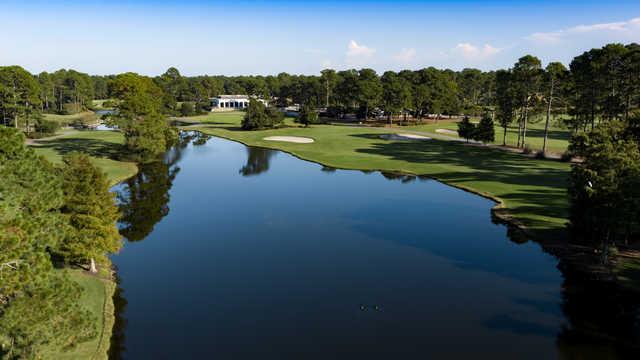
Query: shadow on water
(257,161)
(117,346)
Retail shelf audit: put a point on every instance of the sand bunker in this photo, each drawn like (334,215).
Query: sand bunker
(292,139)
(404,137)
(446,131)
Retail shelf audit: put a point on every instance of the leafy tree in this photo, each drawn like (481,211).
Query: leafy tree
(466,129)
(396,94)
(485,131)
(139,117)
(91,211)
(369,90)
(258,116)
(308,115)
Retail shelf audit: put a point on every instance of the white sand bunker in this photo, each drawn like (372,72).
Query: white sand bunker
(446,131)
(293,139)
(404,137)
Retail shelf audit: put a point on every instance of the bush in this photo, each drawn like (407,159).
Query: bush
(187,108)
(540,155)
(47,127)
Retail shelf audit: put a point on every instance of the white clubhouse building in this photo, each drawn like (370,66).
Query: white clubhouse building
(232,102)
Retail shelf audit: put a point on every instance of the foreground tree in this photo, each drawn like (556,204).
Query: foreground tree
(604,190)
(38,306)
(91,211)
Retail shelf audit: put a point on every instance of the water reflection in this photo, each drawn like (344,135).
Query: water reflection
(144,198)
(532,307)
(257,161)
(117,346)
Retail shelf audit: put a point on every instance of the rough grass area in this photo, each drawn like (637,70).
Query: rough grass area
(103,146)
(558,139)
(533,191)
(97,297)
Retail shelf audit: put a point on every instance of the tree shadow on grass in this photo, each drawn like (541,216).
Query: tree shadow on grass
(92,147)
(533,189)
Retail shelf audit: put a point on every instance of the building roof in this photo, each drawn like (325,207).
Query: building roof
(232,97)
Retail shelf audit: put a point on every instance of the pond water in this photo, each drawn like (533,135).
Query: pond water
(236,252)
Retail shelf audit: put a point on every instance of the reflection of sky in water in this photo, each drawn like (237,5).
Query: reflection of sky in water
(261,253)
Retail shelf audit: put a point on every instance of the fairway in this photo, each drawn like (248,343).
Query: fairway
(104,147)
(533,192)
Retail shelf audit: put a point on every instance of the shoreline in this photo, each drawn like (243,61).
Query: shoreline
(584,259)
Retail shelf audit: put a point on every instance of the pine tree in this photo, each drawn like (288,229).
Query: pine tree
(485,131)
(466,129)
(91,211)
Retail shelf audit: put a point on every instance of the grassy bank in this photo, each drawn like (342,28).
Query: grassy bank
(97,298)
(533,192)
(103,146)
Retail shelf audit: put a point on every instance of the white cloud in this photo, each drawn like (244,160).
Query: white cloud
(629,28)
(406,56)
(474,53)
(357,54)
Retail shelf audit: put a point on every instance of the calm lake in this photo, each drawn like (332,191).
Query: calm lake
(236,252)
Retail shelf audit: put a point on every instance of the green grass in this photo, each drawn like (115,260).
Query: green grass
(532,191)
(65,120)
(103,146)
(97,298)
(558,139)
(98,104)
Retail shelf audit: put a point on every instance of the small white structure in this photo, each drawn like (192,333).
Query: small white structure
(232,102)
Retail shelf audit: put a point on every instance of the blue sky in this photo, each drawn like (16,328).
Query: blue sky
(268,37)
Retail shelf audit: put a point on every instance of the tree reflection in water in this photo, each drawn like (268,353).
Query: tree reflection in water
(257,161)
(144,198)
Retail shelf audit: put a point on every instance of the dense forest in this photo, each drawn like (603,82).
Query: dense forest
(49,215)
